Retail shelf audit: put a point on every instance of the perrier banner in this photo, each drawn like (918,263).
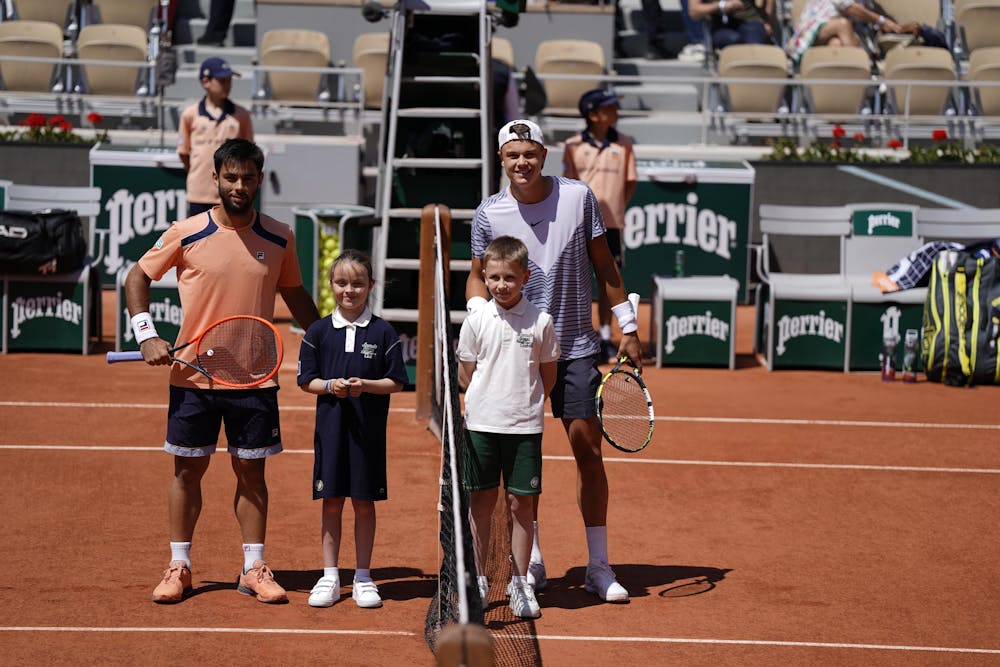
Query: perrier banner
(701,208)
(143,190)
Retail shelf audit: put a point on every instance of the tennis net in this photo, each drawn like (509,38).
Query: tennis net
(457,598)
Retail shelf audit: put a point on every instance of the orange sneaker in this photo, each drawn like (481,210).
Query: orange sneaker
(259,582)
(176,583)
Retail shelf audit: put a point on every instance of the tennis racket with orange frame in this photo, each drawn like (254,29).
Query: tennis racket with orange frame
(240,352)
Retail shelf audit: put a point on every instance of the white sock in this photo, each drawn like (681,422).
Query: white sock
(252,553)
(331,572)
(516,581)
(362,575)
(605,330)
(597,543)
(181,551)
(536,550)
(483,581)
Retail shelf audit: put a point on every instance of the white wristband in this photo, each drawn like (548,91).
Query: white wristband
(475,303)
(142,327)
(328,386)
(722,6)
(626,317)
(881,20)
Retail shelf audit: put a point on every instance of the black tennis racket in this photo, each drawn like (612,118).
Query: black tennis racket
(624,407)
(241,351)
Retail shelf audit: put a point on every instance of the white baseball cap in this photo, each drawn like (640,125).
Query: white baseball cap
(520,129)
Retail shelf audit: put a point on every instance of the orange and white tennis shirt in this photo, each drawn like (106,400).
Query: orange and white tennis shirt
(222,272)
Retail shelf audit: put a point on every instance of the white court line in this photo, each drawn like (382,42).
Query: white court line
(662,418)
(608,459)
(599,638)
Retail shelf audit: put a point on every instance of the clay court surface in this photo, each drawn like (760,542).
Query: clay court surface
(794,517)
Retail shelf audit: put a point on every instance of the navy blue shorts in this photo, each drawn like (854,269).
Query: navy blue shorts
(195,417)
(576,386)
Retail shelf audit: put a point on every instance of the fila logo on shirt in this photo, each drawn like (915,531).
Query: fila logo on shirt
(681,224)
(260,256)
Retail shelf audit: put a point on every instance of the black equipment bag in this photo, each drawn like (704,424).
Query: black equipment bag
(46,241)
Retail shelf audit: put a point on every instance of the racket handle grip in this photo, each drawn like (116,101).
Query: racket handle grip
(124,356)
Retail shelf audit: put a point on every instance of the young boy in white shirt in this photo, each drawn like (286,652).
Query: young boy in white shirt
(507,353)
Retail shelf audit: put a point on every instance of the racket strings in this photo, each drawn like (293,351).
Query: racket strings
(239,351)
(625,410)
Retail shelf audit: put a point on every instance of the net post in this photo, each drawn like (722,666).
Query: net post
(425,301)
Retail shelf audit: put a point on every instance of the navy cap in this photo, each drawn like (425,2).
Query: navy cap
(215,68)
(594,99)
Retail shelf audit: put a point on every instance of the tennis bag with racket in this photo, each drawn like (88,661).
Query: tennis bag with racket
(46,241)
(962,319)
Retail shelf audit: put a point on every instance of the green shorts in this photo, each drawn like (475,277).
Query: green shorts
(518,456)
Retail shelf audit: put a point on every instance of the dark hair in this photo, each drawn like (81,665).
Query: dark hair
(238,151)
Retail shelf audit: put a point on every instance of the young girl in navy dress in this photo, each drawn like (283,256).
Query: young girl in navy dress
(352,360)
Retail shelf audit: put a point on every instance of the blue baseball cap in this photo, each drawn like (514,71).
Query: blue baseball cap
(594,99)
(215,68)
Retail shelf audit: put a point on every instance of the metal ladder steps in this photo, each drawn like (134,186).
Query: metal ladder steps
(438,163)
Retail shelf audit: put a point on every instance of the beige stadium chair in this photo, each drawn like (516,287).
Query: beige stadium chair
(979,21)
(35,39)
(569,56)
(921,11)
(503,50)
(371,55)
(294,48)
(920,63)
(984,66)
(753,61)
(110,41)
(54,11)
(836,62)
(126,12)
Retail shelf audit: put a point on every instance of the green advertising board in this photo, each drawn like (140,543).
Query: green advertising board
(871,323)
(49,314)
(882,222)
(808,334)
(696,333)
(143,190)
(700,208)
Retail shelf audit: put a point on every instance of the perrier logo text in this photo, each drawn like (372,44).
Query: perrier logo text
(694,325)
(33,308)
(680,224)
(808,325)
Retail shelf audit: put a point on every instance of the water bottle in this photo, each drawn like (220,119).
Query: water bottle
(911,352)
(679,263)
(888,357)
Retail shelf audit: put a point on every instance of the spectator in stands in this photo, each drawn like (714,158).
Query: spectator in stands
(652,21)
(220,13)
(204,127)
(829,22)
(734,21)
(603,158)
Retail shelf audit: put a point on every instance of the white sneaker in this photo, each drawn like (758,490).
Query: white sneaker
(692,53)
(325,592)
(600,580)
(484,590)
(536,575)
(365,593)
(522,601)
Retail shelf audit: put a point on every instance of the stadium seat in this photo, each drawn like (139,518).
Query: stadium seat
(36,39)
(984,66)
(371,55)
(836,62)
(294,48)
(503,50)
(919,63)
(568,56)
(126,12)
(979,23)
(753,61)
(54,11)
(963,225)
(109,41)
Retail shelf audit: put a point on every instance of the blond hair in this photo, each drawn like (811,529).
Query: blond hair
(507,249)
